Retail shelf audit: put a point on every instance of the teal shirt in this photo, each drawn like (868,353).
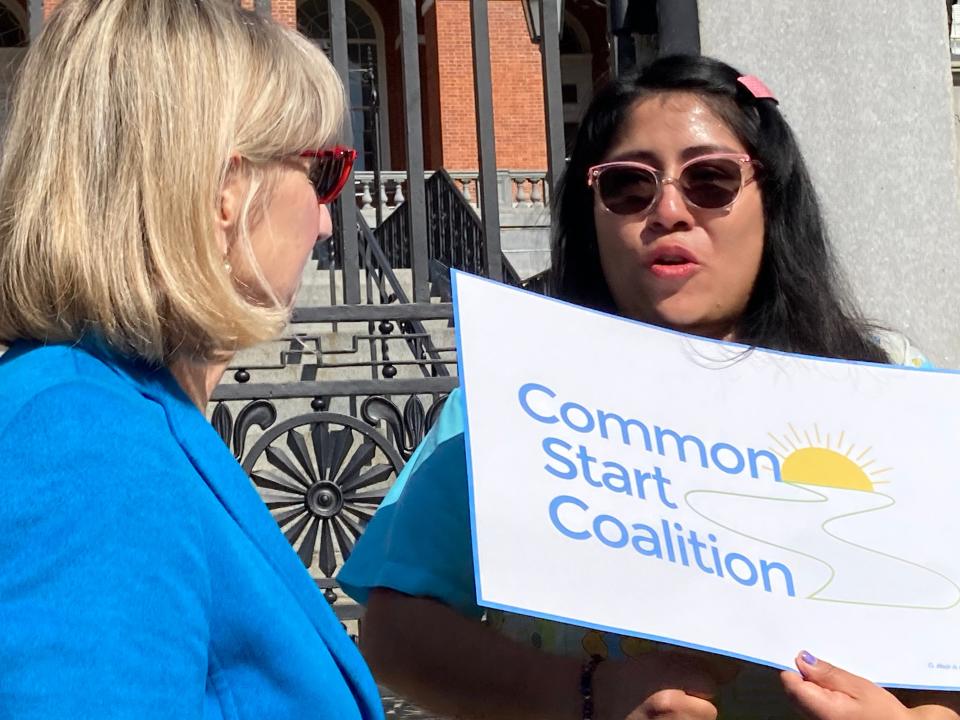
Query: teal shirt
(419,543)
(419,540)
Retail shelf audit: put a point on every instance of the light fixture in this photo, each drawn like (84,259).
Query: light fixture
(531,11)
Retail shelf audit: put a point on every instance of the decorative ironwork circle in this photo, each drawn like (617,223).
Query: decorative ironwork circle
(322,476)
(324,499)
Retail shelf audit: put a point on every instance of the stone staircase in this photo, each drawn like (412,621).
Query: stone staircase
(335,352)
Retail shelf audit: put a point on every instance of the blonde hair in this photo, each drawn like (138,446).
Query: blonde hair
(125,119)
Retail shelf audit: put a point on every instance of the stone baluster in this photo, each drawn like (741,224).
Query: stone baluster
(536,192)
(382,194)
(465,189)
(522,195)
(366,199)
(398,193)
(505,189)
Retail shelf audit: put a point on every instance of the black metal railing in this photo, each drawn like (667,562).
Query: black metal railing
(324,419)
(455,234)
(538,283)
(380,274)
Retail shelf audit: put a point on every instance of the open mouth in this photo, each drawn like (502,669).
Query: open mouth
(673,262)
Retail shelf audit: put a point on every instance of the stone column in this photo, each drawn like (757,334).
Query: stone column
(867,88)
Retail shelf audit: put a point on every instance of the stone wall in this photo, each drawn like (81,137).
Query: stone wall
(867,88)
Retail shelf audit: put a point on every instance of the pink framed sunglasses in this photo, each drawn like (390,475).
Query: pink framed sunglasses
(330,171)
(707,182)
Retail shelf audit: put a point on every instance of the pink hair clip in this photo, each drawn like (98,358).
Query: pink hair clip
(757,88)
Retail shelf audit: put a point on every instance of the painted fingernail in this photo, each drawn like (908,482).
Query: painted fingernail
(808,658)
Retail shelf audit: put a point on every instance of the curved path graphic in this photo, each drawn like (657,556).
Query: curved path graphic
(856,574)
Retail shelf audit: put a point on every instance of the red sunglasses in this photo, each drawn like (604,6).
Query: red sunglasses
(330,171)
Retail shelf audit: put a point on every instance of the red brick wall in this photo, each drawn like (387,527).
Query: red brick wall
(517,87)
(447,84)
(389,12)
(430,88)
(285,12)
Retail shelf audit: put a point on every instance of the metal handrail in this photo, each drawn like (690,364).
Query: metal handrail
(454,232)
(375,259)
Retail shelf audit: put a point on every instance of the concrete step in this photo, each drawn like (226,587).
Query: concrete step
(326,356)
(315,287)
(347,346)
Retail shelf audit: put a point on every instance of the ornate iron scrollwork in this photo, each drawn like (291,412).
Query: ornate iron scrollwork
(258,412)
(407,429)
(322,476)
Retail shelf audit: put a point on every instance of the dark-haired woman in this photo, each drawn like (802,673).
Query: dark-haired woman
(686,204)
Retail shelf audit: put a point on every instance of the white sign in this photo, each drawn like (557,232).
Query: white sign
(640,481)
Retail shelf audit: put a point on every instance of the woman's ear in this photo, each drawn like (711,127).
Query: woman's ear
(230,204)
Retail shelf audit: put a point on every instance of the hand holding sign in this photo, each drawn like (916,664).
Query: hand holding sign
(737,501)
(825,692)
(661,686)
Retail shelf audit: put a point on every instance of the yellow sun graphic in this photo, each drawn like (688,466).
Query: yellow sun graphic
(816,460)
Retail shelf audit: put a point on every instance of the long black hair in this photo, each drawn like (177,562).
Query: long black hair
(798,303)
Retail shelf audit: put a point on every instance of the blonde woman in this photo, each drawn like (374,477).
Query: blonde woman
(159,197)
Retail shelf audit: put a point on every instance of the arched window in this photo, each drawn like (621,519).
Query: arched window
(13,24)
(576,75)
(574,39)
(368,102)
(313,20)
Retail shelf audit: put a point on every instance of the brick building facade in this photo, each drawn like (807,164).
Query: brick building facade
(446,65)
(449,122)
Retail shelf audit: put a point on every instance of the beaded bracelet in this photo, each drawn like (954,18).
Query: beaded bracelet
(586,685)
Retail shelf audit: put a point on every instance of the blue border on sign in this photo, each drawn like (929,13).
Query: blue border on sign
(454,277)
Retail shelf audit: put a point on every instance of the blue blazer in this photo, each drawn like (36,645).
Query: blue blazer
(141,576)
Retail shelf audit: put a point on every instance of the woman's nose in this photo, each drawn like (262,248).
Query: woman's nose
(671,211)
